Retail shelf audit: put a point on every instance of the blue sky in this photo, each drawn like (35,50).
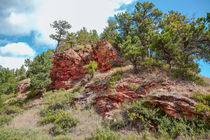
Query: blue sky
(25,24)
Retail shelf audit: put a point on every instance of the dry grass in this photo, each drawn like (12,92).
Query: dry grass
(89,122)
(26,120)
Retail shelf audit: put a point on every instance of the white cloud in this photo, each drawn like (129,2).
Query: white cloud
(92,14)
(13,55)
(11,62)
(17,17)
(20,18)
(17,50)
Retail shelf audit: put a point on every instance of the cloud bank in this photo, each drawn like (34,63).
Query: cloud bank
(21,17)
(13,55)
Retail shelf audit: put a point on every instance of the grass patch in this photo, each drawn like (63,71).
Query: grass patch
(9,111)
(57,112)
(27,134)
(61,97)
(104,134)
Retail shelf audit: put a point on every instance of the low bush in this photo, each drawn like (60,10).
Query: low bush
(63,123)
(151,63)
(104,134)
(203,100)
(116,76)
(188,76)
(134,87)
(117,123)
(7,113)
(59,98)
(5,119)
(146,117)
(1,102)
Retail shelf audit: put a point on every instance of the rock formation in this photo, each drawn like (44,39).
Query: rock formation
(68,65)
(22,85)
(176,105)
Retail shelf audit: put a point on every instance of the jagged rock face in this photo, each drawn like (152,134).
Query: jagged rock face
(68,65)
(176,105)
(123,92)
(22,85)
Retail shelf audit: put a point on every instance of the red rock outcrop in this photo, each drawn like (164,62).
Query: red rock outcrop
(176,105)
(22,85)
(68,65)
(109,98)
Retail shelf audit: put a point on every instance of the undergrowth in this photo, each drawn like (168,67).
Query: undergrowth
(145,116)
(11,109)
(116,76)
(203,100)
(104,134)
(57,112)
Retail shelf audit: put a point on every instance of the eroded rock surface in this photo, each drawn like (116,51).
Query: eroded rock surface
(68,66)
(22,85)
(176,105)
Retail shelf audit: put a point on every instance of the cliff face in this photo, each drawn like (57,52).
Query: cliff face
(68,65)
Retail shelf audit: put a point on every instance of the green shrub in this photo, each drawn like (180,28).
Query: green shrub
(115,77)
(91,68)
(134,87)
(5,119)
(104,134)
(7,113)
(63,123)
(203,104)
(49,116)
(148,116)
(39,72)
(151,62)
(63,48)
(13,101)
(60,97)
(188,76)
(1,102)
(8,83)
(27,134)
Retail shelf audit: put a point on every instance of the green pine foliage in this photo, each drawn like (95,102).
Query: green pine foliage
(131,50)
(110,32)
(61,27)
(149,117)
(8,83)
(39,72)
(91,68)
(147,37)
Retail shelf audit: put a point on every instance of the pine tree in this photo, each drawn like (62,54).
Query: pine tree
(83,36)
(131,50)
(61,27)
(110,32)
(39,72)
(8,82)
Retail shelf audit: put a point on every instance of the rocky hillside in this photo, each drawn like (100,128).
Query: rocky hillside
(110,91)
(115,103)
